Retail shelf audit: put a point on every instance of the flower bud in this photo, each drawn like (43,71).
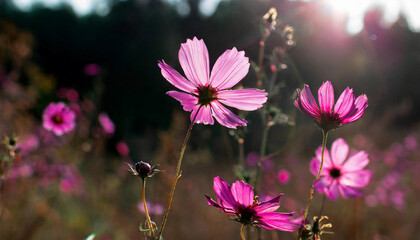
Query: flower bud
(143,169)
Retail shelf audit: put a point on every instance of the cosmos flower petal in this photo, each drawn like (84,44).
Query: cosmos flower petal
(188,101)
(314,167)
(357,110)
(230,68)
(225,117)
(211,202)
(223,193)
(242,193)
(349,192)
(356,161)
(332,191)
(276,220)
(327,157)
(339,151)
(176,79)
(308,104)
(326,97)
(244,99)
(344,103)
(194,59)
(322,183)
(358,178)
(270,205)
(204,115)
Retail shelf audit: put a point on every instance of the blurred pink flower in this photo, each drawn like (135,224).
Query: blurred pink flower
(122,148)
(58,118)
(205,93)
(283,176)
(329,115)
(253,158)
(153,208)
(410,143)
(68,93)
(92,69)
(341,173)
(71,180)
(106,123)
(28,144)
(239,201)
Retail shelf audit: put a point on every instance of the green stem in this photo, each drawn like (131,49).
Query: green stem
(263,150)
(149,222)
(311,195)
(242,232)
(177,175)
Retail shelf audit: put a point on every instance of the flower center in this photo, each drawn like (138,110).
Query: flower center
(246,214)
(206,94)
(335,173)
(57,119)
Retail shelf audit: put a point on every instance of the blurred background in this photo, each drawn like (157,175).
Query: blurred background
(100,57)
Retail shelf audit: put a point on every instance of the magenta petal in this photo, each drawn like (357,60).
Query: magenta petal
(225,117)
(187,100)
(204,115)
(230,68)
(314,167)
(244,99)
(211,202)
(172,76)
(223,193)
(327,158)
(332,191)
(357,110)
(308,103)
(242,193)
(322,183)
(344,103)
(269,206)
(194,59)
(326,97)
(276,220)
(356,161)
(349,192)
(356,178)
(339,151)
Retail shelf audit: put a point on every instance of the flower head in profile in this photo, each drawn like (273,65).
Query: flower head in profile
(342,173)
(58,118)
(207,93)
(239,201)
(330,115)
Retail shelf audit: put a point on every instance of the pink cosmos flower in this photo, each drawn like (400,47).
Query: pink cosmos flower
(106,123)
(122,148)
(207,93)
(341,173)
(239,201)
(58,118)
(283,176)
(329,115)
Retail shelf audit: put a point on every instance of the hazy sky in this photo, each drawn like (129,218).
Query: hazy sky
(353,10)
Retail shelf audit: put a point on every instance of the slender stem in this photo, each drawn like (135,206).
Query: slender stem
(149,222)
(241,153)
(177,175)
(322,206)
(242,232)
(311,195)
